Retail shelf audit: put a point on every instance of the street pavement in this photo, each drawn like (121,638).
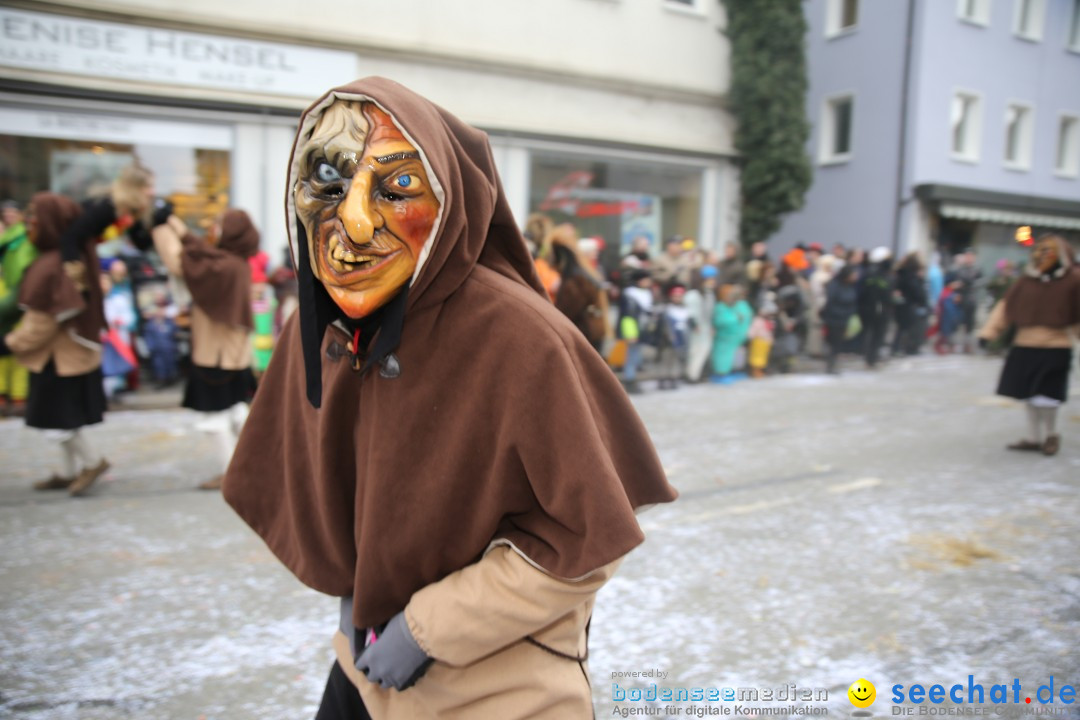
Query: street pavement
(830,529)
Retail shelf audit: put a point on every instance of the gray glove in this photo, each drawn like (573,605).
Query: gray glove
(394,660)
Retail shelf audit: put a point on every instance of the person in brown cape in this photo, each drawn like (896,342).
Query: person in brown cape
(217,274)
(59,340)
(1044,307)
(582,294)
(433,442)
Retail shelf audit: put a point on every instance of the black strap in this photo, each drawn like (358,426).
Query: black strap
(565,656)
(317,311)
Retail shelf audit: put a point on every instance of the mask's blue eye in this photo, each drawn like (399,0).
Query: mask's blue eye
(405,181)
(325,172)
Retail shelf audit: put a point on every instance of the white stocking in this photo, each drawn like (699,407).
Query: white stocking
(1049,419)
(70,466)
(90,458)
(1034,416)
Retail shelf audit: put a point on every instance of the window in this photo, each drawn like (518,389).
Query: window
(1068,146)
(617,199)
(1029,19)
(686,6)
(1018,136)
(974,11)
(836,129)
(966,126)
(841,16)
(1074,27)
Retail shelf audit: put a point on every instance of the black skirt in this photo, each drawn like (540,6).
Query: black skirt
(1036,371)
(64,403)
(216,389)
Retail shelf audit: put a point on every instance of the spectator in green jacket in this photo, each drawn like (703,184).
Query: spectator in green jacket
(16,254)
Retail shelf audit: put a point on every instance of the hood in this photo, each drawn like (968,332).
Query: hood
(238,234)
(53,214)
(472,228)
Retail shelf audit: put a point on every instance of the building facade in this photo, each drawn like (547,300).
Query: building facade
(941,124)
(607,113)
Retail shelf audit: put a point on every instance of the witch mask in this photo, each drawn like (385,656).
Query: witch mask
(366,203)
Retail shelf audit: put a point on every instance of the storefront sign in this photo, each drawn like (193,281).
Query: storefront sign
(55,43)
(114,129)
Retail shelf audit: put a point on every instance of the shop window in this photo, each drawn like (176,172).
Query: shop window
(1074,27)
(195,180)
(966,119)
(616,200)
(841,16)
(1068,146)
(976,12)
(836,129)
(1019,128)
(1029,19)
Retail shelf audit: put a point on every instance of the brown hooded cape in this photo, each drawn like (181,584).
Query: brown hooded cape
(219,277)
(1046,299)
(503,424)
(47,288)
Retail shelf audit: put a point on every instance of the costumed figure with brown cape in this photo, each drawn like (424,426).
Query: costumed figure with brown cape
(59,340)
(218,276)
(582,294)
(1044,308)
(434,443)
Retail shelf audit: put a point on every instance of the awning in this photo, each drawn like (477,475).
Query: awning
(1008,217)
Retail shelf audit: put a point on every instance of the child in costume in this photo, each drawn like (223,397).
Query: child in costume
(700,300)
(636,314)
(159,334)
(731,320)
(950,316)
(16,255)
(676,324)
(761,336)
(1044,307)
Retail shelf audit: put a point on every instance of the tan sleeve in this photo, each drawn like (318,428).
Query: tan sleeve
(35,331)
(486,606)
(996,323)
(168,245)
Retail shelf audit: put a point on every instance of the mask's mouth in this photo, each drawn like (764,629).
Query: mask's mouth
(345,258)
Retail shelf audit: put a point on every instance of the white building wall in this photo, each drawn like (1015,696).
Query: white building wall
(639,42)
(640,72)
(640,79)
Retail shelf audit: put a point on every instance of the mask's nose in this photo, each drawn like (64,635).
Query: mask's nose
(357,211)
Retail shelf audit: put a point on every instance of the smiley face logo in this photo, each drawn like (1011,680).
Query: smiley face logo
(862,693)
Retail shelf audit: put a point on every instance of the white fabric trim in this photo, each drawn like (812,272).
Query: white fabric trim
(503,541)
(1042,401)
(83,341)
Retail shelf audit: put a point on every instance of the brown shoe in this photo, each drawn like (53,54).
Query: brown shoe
(213,483)
(1027,445)
(88,477)
(1052,445)
(54,483)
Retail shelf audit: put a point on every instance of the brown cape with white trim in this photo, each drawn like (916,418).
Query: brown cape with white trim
(46,286)
(503,425)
